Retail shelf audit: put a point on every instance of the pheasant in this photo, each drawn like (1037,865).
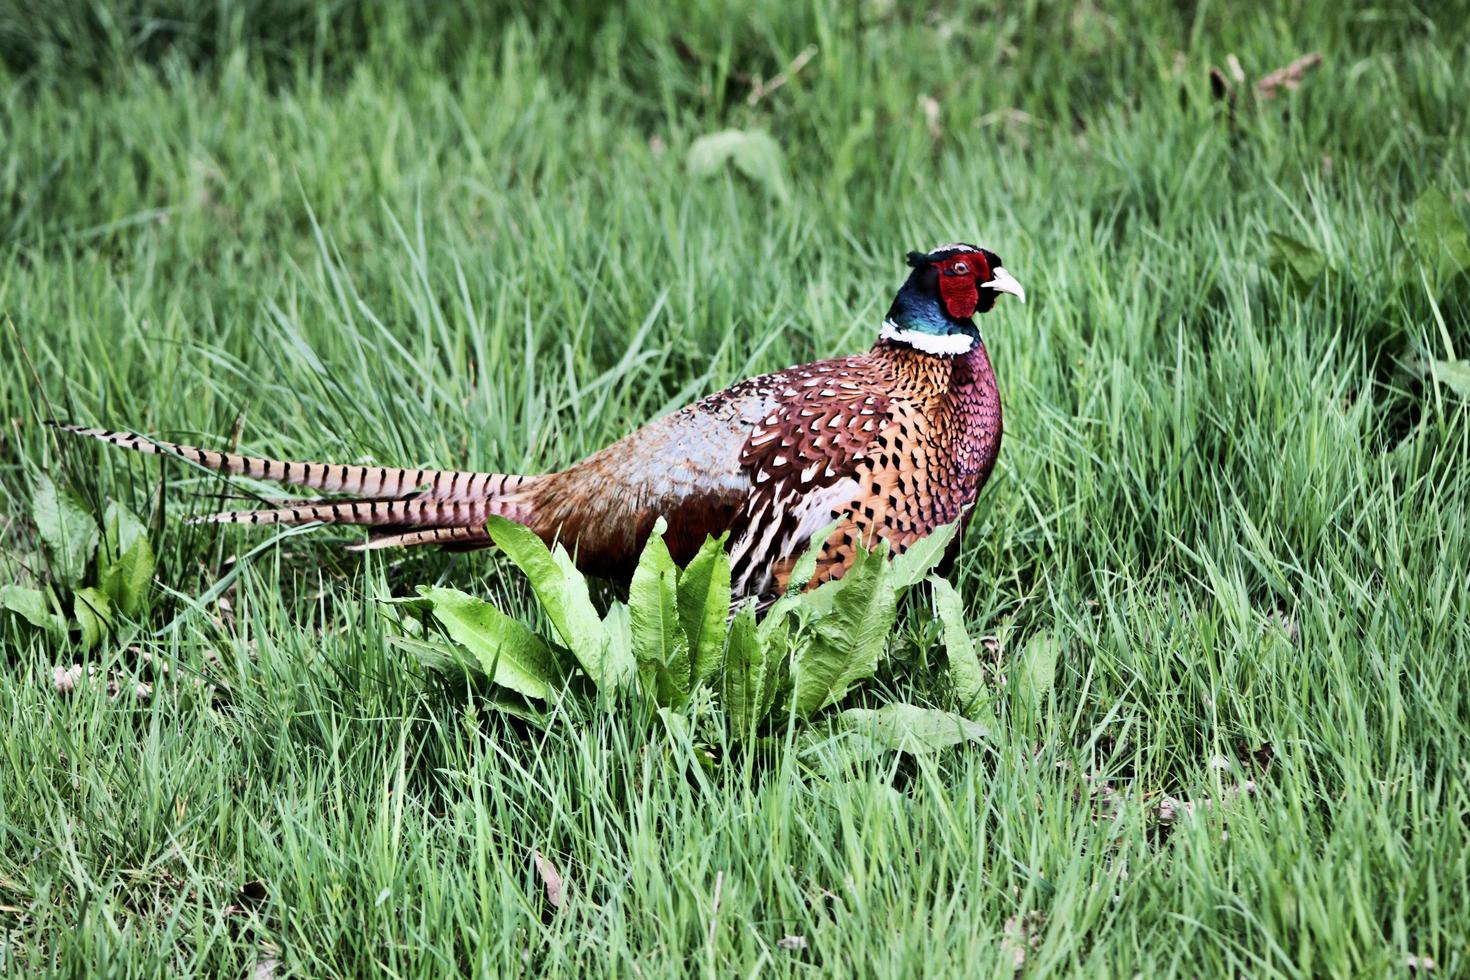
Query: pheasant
(886,445)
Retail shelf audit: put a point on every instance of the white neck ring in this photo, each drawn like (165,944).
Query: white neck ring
(947,345)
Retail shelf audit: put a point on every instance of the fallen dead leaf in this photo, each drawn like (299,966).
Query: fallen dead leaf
(265,968)
(555,886)
(1022,935)
(760,89)
(64,679)
(1237,73)
(1171,808)
(1105,801)
(1288,77)
(930,105)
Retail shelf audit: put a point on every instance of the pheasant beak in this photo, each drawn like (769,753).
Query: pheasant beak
(1003,282)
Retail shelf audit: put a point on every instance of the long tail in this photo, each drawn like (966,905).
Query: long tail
(415,506)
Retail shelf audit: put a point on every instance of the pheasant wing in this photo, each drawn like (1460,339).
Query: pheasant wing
(805,461)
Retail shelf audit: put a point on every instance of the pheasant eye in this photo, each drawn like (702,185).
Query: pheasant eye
(961,268)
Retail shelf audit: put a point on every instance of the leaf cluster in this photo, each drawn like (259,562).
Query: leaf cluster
(118,556)
(679,632)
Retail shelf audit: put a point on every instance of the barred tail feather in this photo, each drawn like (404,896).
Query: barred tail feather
(368,482)
(418,513)
(411,506)
(452,538)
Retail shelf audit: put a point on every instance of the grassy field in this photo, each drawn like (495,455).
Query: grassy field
(1234,486)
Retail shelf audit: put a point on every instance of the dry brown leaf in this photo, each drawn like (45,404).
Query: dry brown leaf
(930,105)
(1022,935)
(265,968)
(64,679)
(1287,77)
(555,886)
(760,89)
(1237,73)
(1105,801)
(1171,808)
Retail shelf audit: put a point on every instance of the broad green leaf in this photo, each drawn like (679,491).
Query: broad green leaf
(920,557)
(964,664)
(678,727)
(126,561)
(1439,233)
(128,576)
(415,602)
(1454,375)
(906,570)
(775,678)
(507,652)
(617,632)
(563,594)
(93,611)
(446,658)
(439,655)
(844,644)
(709,154)
(66,528)
(1033,677)
(745,670)
(761,159)
(779,610)
(908,728)
(1301,260)
(753,152)
(121,529)
(507,704)
(806,565)
(32,605)
(815,602)
(704,605)
(659,645)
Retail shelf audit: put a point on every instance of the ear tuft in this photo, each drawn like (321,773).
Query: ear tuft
(918,259)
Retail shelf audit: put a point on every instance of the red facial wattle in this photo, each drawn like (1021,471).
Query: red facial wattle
(959,279)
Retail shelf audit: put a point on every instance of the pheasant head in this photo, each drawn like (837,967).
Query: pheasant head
(934,311)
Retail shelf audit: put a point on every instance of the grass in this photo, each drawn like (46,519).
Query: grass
(1236,498)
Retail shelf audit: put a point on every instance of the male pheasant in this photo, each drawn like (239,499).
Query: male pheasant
(889,444)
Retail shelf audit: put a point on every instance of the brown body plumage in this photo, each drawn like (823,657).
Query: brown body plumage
(889,444)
